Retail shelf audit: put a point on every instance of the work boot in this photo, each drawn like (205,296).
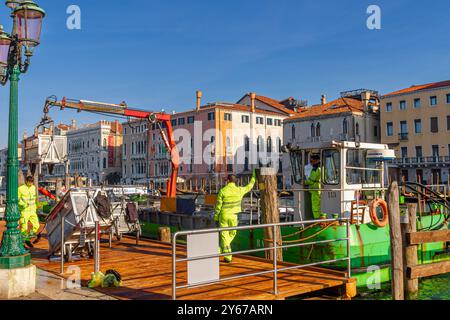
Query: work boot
(38,238)
(227,260)
(29,244)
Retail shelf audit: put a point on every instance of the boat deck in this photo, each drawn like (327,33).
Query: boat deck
(146,271)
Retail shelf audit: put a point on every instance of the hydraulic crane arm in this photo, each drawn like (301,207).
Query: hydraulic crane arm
(159,119)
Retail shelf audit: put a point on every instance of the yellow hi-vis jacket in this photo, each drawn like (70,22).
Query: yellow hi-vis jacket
(229,199)
(27,199)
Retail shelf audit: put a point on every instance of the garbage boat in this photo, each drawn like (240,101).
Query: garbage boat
(353,186)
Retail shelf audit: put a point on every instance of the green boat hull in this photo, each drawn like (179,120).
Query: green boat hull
(369,247)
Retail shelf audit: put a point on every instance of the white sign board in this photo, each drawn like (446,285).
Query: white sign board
(205,269)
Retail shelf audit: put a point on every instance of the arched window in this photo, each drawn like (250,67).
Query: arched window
(228,145)
(104,143)
(293,131)
(357,129)
(246,143)
(269,145)
(279,145)
(246,168)
(344,127)
(313,130)
(260,144)
(104,163)
(318,130)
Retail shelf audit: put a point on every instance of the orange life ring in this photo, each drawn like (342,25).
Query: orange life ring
(373,213)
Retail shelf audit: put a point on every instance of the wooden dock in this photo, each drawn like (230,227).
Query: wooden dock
(146,271)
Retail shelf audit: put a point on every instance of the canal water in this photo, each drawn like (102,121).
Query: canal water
(434,288)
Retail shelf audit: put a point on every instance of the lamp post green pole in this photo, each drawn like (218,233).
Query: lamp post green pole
(13,252)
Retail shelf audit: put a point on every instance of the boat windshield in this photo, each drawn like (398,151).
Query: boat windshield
(331,167)
(359,168)
(297,166)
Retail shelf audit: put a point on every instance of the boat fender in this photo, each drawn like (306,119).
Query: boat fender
(373,213)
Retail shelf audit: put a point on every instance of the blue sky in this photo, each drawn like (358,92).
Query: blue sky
(155,54)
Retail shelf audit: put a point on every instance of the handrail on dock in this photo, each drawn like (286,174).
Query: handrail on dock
(273,248)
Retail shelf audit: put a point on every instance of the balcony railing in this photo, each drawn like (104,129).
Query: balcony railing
(403,136)
(436,160)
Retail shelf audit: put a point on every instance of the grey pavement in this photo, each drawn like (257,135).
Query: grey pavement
(53,287)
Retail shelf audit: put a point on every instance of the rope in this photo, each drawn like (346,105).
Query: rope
(301,231)
(311,236)
(328,225)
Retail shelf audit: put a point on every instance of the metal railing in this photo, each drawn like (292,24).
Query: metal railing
(274,247)
(422,160)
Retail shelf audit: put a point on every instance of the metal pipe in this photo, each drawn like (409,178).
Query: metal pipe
(206,283)
(363,169)
(97,248)
(341,189)
(174,267)
(251,207)
(274,245)
(349,262)
(259,226)
(258,250)
(311,264)
(258,204)
(63,246)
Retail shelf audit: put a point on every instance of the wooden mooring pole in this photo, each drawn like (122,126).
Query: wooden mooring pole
(164,235)
(267,182)
(396,242)
(410,251)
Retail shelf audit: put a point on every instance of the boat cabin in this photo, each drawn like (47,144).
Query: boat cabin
(352,173)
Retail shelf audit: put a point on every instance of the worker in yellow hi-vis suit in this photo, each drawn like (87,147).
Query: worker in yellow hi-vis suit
(228,206)
(315,184)
(27,207)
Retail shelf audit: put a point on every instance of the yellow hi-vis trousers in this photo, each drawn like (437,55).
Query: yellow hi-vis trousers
(26,217)
(226,237)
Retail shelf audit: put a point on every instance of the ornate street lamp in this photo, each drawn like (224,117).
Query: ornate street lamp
(15,54)
(13,4)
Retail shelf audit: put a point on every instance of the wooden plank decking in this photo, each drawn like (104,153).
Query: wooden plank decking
(146,271)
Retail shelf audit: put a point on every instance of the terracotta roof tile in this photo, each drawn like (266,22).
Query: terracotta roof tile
(416,88)
(63,126)
(274,103)
(340,105)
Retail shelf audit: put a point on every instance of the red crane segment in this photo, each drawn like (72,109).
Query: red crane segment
(160,120)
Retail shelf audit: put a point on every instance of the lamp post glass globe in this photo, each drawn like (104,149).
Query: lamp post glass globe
(5,44)
(12,4)
(28,23)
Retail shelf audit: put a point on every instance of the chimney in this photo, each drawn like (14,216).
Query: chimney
(324,99)
(25,136)
(253,98)
(73,124)
(365,97)
(115,126)
(199,99)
